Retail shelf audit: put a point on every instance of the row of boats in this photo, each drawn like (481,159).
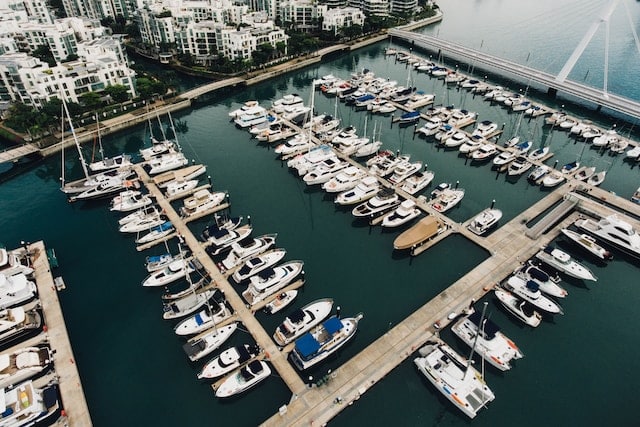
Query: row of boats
(29,392)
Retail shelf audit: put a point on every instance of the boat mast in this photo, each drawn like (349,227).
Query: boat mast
(75,138)
(173,129)
(475,340)
(62,147)
(164,136)
(99,137)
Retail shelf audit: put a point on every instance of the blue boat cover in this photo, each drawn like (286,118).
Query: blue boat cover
(532,286)
(307,345)
(198,319)
(333,325)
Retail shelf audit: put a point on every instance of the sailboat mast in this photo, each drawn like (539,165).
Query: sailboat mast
(75,138)
(99,137)
(173,129)
(62,147)
(475,340)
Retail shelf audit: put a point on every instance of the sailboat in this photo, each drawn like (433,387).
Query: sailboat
(454,377)
(158,147)
(108,163)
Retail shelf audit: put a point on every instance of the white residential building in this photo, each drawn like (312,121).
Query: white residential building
(335,19)
(239,43)
(372,7)
(302,14)
(403,6)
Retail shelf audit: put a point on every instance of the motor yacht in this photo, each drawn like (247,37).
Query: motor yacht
(301,320)
(563,262)
(230,359)
(587,243)
(518,308)
(271,280)
(201,345)
(447,199)
(405,212)
(345,180)
(384,200)
(244,378)
(484,221)
(417,182)
(202,201)
(258,263)
(364,190)
(614,231)
(529,291)
(241,252)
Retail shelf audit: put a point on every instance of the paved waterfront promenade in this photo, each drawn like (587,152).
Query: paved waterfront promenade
(73,400)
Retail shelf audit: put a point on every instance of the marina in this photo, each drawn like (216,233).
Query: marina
(412,315)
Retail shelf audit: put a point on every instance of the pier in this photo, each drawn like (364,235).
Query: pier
(243,312)
(72,394)
(599,97)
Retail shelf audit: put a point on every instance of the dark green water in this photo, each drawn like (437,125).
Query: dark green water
(579,369)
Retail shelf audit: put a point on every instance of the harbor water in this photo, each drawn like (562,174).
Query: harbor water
(578,369)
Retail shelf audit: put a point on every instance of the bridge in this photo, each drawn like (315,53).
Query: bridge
(599,97)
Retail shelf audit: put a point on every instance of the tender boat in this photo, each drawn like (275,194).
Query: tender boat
(529,291)
(230,359)
(186,305)
(156,233)
(490,343)
(384,200)
(484,221)
(175,270)
(301,320)
(202,201)
(240,253)
(454,377)
(256,264)
(212,314)
(323,340)
(15,290)
(417,182)
(570,167)
(405,212)
(584,173)
(563,262)
(281,301)
(447,199)
(518,308)
(245,378)
(201,345)
(587,243)
(615,231)
(271,280)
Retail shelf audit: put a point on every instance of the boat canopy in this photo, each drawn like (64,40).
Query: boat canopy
(489,329)
(297,316)
(423,230)
(307,345)
(549,249)
(532,286)
(538,274)
(267,273)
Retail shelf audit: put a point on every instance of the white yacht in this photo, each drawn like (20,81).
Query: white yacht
(324,171)
(182,174)
(298,143)
(518,308)
(15,289)
(282,300)
(484,152)
(12,262)
(211,315)
(271,280)
(529,291)
(244,378)
(241,252)
(431,127)
(405,212)
(364,190)
(244,109)
(456,140)
(230,359)
(344,180)
(454,377)
(166,162)
(186,304)
(323,340)
(221,240)
(485,129)
(174,271)
(447,199)
(23,363)
(471,144)
(147,222)
(588,243)
(288,101)
(417,182)
(520,165)
(615,231)
(553,179)
(303,163)
(116,162)
(251,117)
(546,284)
(201,345)
(202,201)
(484,221)
(301,320)
(384,200)
(156,233)
(257,264)
(538,173)
(490,342)
(597,178)
(130,200)
(504,158)
(180,188)
(563,262)
(25,405)
(539,153)
(386,164)
(404,170)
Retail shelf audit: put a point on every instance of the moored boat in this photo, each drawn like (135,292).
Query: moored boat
(201,345)
(447,199)
(587,243)
(518,308)
(24,363)
(563,262)
(280,301)
(245,378)
(615,231)
(529,291)
(269,281)
(405,212)
(228,360)
(484,221)
(301,320)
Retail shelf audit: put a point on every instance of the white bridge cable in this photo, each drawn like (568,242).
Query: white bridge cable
(632,25)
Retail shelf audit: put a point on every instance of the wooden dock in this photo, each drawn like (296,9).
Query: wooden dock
(75,405)
(243,313)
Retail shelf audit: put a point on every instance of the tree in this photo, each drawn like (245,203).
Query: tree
(90,100)
(281,48)
(117,92)
(43,52)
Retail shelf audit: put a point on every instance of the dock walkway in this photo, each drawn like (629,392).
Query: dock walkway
(75,405)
